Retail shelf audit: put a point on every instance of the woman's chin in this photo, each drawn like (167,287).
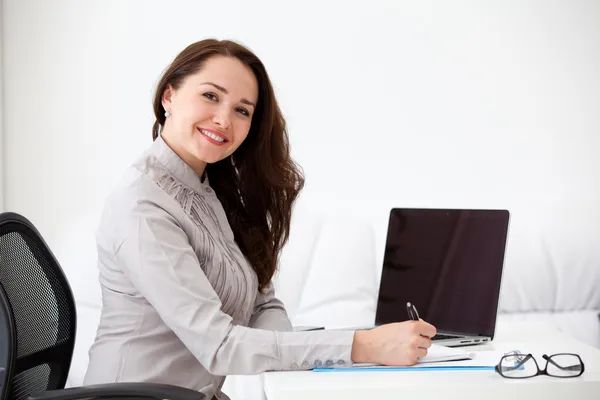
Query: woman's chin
(209,153)
(209,157)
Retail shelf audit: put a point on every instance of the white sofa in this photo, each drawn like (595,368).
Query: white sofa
(331,265)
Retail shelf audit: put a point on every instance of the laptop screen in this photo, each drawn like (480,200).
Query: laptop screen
(448,263)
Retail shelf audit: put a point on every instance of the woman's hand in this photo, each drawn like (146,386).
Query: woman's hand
(401,343)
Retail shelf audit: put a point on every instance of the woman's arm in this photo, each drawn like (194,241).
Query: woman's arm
(156,256)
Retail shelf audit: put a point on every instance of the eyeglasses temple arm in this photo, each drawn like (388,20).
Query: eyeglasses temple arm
(523,360)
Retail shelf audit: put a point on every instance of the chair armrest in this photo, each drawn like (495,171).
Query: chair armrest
(122,389)
(2,377)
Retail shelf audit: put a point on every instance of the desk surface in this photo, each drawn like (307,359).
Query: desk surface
(527,337)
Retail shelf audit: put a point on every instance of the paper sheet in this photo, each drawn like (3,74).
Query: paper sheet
(441,356)
(436,353)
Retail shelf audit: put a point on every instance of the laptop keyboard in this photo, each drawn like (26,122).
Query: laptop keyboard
(442,337)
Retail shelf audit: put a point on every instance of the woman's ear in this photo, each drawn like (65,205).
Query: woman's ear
(166,97)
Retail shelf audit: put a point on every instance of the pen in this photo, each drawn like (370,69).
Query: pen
(412,311)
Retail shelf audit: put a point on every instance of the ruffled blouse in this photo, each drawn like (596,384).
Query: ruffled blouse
(180,301)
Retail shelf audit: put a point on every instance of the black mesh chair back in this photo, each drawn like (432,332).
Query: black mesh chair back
(37,312)
(37,327)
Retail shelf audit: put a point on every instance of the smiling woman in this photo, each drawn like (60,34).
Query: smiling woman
(189,241)
(206,121)
(216,99)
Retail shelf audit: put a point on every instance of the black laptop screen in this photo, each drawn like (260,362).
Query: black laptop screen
(448,263)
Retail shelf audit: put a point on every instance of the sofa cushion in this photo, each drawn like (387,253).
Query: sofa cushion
(339,284)
(88,318)
(582,325)
(295,260)
(77,255)
(552,261)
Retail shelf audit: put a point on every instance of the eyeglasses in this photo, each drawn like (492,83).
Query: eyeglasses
(516,365)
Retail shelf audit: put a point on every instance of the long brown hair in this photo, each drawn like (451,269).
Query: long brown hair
(259,183)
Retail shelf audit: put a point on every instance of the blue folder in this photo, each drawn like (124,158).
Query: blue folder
(379,369)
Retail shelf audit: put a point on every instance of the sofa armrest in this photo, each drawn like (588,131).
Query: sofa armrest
(122,389)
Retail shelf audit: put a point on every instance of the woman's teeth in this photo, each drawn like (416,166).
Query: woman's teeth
(212,136)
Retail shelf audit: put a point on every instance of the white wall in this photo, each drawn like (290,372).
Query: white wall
(474,103)
(390,103)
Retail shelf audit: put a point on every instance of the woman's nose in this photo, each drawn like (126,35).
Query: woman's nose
(221,118)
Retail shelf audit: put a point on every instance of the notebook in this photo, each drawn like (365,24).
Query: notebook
(435,353)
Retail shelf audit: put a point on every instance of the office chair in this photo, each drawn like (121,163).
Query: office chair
(37,326)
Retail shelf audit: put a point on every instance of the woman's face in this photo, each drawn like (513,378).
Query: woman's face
(211,111)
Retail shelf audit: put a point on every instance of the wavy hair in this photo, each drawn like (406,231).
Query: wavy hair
(259,183)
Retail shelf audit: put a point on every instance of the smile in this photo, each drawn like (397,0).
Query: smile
(213,136)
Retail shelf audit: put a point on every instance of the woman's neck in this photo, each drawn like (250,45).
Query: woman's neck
(194,163)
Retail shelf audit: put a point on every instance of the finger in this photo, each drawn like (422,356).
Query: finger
(421,352)
(424,342)
(426,329)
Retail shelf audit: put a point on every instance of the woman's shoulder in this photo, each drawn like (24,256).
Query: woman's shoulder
(137,183)
(138,192)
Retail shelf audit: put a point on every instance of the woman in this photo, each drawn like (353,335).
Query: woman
(189,241)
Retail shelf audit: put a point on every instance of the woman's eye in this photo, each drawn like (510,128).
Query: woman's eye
(243,111)
(211,96)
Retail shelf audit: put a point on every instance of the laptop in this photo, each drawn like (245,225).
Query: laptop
(448,263)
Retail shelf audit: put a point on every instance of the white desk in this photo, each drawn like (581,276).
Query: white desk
(465,385)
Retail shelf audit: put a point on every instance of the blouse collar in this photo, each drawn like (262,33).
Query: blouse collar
(176,166)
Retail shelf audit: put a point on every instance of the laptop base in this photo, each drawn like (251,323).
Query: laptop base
(450,339)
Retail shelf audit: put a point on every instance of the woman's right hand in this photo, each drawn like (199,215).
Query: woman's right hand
(399,344)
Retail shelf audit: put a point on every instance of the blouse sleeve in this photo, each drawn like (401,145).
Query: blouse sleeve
(269,312)
(156,256)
